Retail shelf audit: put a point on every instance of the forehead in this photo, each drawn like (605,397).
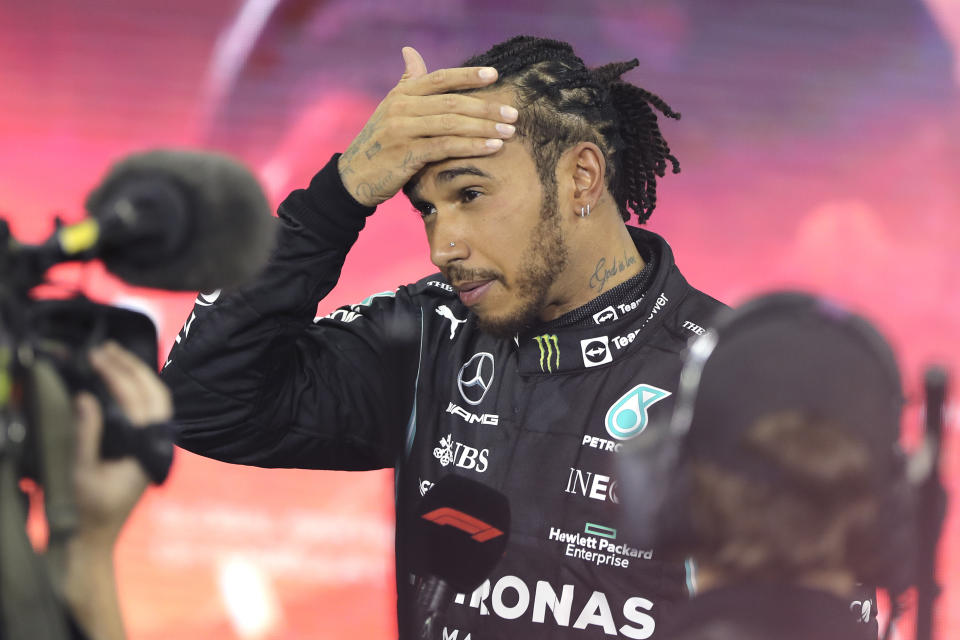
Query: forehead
(512,158)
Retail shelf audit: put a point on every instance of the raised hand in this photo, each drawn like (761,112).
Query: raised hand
(420,121)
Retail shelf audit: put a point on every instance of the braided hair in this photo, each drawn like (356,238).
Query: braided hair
(563,103)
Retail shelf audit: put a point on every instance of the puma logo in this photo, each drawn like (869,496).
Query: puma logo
(445,312)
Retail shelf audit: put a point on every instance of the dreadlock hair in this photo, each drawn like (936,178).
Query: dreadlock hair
(562,103)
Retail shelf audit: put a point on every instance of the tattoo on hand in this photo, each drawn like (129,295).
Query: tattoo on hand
(373,150)
(602,272)
(411,161)
(363,137)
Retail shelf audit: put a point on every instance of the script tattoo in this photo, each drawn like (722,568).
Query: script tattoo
(411,162)
(601,273)
(373,150)
(363,138)
(375,191)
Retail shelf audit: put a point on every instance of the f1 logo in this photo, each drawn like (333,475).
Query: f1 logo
(476,528)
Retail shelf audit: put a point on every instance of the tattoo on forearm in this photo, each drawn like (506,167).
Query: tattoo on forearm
(601,273)
(373,150)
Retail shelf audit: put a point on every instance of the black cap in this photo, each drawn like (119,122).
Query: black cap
(788,352)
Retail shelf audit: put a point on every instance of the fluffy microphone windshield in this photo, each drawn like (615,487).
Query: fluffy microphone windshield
(182,220)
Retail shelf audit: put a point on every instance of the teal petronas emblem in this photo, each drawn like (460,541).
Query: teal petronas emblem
(627,417)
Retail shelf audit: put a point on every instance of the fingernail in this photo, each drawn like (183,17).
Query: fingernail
(506,129)
(494,143)
(487,73)
(509,113)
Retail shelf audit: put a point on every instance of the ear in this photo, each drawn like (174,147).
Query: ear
(585,175)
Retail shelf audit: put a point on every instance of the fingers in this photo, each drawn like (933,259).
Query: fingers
(442,147)
(89,427)
(136,387)
(456,104)
(414,66)
(444,80)
(454,125)
(420,114)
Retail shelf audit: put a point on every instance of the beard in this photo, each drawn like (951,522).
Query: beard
(542,261)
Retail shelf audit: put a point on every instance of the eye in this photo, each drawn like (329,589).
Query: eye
(424,209)
(469,195)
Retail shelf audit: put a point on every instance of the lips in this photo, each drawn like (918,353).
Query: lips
(471,292)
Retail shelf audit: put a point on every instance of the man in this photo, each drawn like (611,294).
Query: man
(550,336)
(107,490)
(782,476)
(78,572)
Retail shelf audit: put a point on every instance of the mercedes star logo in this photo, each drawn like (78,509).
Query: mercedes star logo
(475,377)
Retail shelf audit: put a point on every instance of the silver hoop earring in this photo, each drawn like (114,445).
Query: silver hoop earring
(584,211)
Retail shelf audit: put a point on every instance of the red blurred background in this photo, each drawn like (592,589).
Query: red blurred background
(819,146)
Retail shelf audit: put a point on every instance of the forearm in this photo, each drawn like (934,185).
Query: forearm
(228,340)
(256,381)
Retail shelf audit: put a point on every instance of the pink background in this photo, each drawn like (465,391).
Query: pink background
(819,146)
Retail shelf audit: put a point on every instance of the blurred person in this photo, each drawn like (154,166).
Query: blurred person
(106,490)
(551,335)
(783,449)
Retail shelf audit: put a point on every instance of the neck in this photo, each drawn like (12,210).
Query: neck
(838,582)
(602,255)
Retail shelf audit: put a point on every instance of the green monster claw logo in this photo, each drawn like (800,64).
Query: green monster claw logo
(549,352)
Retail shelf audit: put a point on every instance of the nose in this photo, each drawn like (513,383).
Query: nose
(446,251)
(447,241)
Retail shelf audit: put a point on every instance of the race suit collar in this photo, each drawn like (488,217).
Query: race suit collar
(615,330)
(632,289)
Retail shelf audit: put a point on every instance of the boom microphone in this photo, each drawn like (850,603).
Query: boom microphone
(459,535)
(178,220)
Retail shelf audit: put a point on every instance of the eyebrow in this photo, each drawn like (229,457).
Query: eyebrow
(469,170)
(447,175)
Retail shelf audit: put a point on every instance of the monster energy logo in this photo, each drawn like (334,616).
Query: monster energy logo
(549,352)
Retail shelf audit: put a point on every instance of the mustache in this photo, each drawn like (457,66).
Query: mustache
(455,273)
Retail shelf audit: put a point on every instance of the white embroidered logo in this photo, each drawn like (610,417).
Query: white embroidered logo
(444,453)
(445,312)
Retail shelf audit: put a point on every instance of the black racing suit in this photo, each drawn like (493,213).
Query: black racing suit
(404,379)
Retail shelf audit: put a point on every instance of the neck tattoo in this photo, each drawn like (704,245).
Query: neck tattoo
(606,269)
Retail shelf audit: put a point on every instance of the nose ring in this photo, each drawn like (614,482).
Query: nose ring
(453,244)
